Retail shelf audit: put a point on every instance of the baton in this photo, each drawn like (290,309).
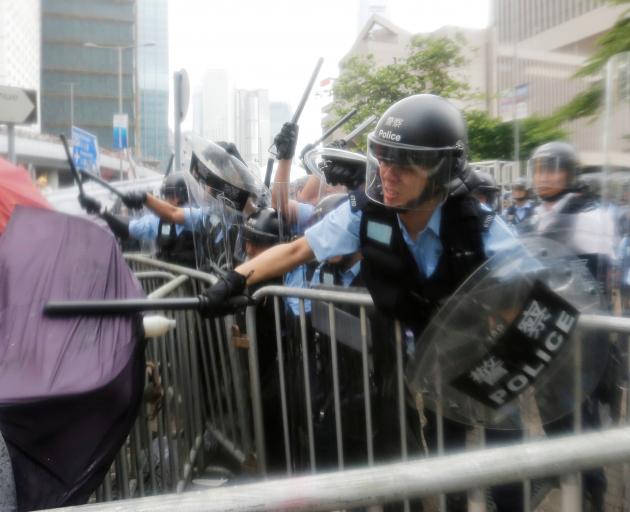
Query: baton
(296,115)
(73,169)
(169,167)
(359,129)
(338,124)
(307,91)
(103,183)
(128,306)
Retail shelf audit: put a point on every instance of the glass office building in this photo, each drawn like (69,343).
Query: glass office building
(153,81)
(90,72)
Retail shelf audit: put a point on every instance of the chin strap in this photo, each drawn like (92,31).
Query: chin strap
(555,197)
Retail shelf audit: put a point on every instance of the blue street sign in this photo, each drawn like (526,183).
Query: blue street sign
(85,151)
(120,131)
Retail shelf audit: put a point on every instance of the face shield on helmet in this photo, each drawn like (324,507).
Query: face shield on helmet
(175,188)
(336,168)
(406,177)
(227,177)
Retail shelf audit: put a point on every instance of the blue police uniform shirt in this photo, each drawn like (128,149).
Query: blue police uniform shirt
(346,276)
(296,278)
(147,226)
(338,234)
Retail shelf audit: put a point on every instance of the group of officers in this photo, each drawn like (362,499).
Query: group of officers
(410,221)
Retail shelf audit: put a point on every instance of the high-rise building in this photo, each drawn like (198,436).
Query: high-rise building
(20,43)
(253,135)
(367,8)
(71,65)
(153,80)
(279,113)
(540,44)
(213,110)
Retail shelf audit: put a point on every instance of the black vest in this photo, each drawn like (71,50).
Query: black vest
(398,287)
(173,248)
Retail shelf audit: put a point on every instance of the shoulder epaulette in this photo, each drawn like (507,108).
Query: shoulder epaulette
(358,199)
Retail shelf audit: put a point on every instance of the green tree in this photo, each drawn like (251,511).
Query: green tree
(427,68)
(614,41)
(490,138)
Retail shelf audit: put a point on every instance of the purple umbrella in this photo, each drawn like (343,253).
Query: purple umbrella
(70,388)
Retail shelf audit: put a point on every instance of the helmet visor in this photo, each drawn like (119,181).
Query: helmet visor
(549,174)
(409,178)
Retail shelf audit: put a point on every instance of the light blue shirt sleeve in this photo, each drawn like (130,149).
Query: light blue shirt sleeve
(193,218)
(144,228)
(336,234)
(304,212)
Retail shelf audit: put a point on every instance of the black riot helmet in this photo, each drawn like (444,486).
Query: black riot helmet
(422,135)
(175,186)
(486,188)
(556,156)
(227,177)
(262,227)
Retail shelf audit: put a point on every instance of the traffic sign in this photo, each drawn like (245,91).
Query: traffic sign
(85,151)
(18,106)
(121,123)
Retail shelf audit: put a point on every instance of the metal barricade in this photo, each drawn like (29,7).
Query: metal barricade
(211,390)
(393,482)
(195,395)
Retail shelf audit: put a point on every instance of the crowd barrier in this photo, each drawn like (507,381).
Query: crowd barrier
(206,392)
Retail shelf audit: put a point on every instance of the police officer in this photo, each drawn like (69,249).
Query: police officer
(566,214)
(413,236)
(261,231)
(175,243)
(486,189)
(418,243)
(578,222)
(521,209)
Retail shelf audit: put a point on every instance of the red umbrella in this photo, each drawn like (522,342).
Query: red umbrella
(16,187)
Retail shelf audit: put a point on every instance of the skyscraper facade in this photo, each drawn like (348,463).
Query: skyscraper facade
(253,129)
(87,76)
(153,80)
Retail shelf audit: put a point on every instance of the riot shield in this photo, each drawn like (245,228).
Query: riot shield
(508,330)
(217,227)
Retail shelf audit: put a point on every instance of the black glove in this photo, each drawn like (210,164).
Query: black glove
(213,301)
(89,204)
(336,173)
(134,200)
(286,141)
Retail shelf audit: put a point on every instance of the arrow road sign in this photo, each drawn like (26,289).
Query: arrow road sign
(18,106)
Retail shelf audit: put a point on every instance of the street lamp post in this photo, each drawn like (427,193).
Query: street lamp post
(120,49)
(71,84)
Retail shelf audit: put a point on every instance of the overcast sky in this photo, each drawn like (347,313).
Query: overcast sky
(274,44)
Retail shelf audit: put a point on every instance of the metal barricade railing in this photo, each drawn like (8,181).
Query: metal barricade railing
(570,484)
(212,381)
(195,393)
(392,482)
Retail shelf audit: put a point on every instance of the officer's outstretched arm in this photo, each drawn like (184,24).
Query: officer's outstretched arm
(280,192)
(118,225)
(276,261)
(164,210)
(273,262)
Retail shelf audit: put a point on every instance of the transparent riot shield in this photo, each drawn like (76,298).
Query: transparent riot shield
(511,328)
(217,225)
